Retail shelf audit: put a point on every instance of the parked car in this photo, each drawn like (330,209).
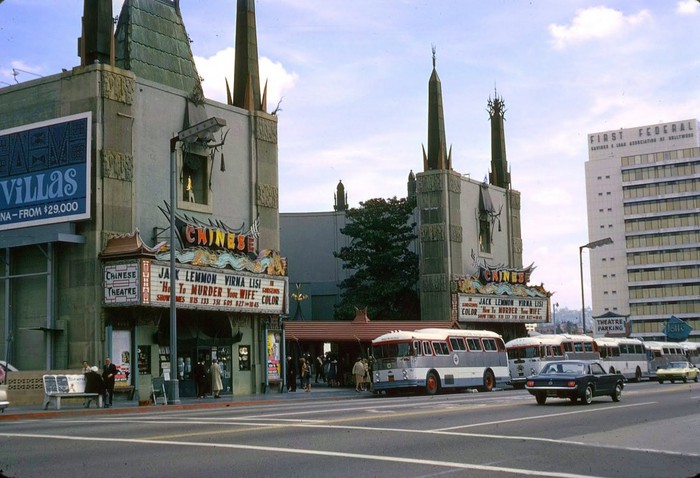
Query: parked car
(677,371)
(574,379)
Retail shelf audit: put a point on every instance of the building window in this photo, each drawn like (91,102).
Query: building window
(195,177)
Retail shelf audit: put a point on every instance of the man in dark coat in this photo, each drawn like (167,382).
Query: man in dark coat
(200,377)
(291,376)
(94,384)
(109,372)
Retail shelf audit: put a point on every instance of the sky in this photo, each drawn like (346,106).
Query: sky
(350,82)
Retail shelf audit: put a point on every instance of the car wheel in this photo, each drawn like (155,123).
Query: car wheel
(673,380)
(432,384)
(696,379)
(489,380)
(617,394)
(588,395)
(541,398)
(661,381)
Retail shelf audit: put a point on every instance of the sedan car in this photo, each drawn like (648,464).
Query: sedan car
(574,379)
(678,371)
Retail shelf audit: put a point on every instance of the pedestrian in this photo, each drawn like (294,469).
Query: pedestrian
(291,375)
(368,376)
(333,373)
(319,369)
(215,372)
(86,367)
(109,373)
(358,370)
(94,384)
(200,378)
(305,375)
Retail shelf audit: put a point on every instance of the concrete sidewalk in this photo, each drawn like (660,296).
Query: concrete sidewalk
(74,407)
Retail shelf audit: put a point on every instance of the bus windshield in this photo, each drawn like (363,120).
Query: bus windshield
(524,352)
(390,350)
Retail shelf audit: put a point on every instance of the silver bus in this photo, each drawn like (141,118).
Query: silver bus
(432,360)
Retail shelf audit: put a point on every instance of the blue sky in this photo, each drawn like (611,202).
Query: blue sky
(352,77)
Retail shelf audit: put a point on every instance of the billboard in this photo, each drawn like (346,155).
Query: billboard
(45,172)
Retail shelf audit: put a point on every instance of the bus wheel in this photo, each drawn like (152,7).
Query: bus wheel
(432,383)
(489,380)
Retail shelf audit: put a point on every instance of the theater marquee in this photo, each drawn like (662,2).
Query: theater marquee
(484,308)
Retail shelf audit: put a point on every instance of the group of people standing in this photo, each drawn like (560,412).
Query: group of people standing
(201,378)
(328,369)
(102,383)
(361,372)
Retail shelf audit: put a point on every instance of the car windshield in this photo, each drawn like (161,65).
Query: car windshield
(558,367)
(677,365)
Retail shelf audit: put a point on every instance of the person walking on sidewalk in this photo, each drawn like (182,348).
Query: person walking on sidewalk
(358,370)
(305,375)
(215,372)
(109,373)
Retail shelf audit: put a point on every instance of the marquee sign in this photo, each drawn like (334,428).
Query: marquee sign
(490,308)
(147,282)
(45,172)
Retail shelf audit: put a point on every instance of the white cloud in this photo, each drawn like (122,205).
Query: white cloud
(594,23)
(219,67)
(687,7)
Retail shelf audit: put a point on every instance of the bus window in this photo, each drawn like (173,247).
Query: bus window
(416,347)
(489,344)
(568,347)
(457,343)
(427,350)
(474,344)
(588,346)
(578,347)
(441,348)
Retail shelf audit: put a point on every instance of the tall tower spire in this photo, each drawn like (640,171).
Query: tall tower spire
(246,78)
(499,175)
(95,44)
(437,156)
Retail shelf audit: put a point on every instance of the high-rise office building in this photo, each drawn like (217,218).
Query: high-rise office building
(643,192)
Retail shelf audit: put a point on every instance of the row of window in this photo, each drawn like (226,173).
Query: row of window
(657,326)
(533,351)
(666,309)
(677,170)
(656,206)
(622,349)
(656,223)
(664,273)
(665,239)
(670,187)
(660,157)
(663,257)
(669,290)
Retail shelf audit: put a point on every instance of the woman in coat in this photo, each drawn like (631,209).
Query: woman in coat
(215,372)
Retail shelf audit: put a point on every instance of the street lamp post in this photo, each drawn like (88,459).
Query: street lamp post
(200,131)
(590,245)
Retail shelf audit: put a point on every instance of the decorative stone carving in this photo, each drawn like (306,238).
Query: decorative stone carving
(117,165)
(267,195)
(432,232)
(454,182)
(515,199)
(266,129)
(517,245)
(429,183)
(455,233)
(118,87)
(433,283)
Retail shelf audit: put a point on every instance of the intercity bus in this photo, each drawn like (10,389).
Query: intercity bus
(624,355)
(660,354)
(692,351)
(527,355)
(432,360)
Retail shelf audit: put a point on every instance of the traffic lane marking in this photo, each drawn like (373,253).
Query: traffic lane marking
(301,451)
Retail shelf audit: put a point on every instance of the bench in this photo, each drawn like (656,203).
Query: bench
(57,387)
(128,389)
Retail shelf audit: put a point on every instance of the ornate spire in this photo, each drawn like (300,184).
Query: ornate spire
(437,156)
(95,44)
(246,78)
(341,197)
(499,175)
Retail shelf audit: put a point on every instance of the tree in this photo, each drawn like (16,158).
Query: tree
(385,269)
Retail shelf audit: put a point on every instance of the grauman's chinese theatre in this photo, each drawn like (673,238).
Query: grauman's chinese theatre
(229,297)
